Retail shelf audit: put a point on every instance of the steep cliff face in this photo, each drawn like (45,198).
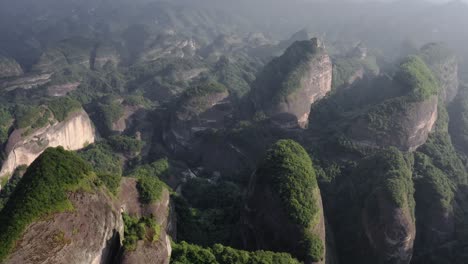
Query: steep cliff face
(71,237)
(9,68)
(388,207)
(444,65)
(404,121)
(158,251)
(200,108)
(290,84)
(74,133)
(396,123)
(391,232)
(284,208)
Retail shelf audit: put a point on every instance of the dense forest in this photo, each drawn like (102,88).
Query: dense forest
(246,132)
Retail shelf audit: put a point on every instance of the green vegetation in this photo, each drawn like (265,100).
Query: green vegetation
(150,189)
(184,253)
(313,246)
(42,191)
(436,53)
(63,106)
(345,68)
(440,150)
(6,121)
(145,228)
(97,84)
(205,89)
(31,116)
(389,171)
(102,158)
(8,186)
(137,100)
(288,169)
(149,185)
(236,75)
(458,126)
(111,181)
(414,74)
(158,168)
(110,112)
(125,144)
(208,212)
(282,75)
(433,185)
(384,118)
(68,74)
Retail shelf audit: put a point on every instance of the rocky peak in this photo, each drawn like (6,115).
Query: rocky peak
(443,63)
(403,121)
(284,209)
(158,251)
(290,84)
(70,237)
(388,214)
(73,133)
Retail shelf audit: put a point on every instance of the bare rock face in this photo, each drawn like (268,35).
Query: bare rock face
(384,183)
(405,127)
(290,84)
(9,68)
(89,234)
(391,232)
(74,133)
(158,252)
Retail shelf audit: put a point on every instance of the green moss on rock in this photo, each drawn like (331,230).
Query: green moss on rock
(414,74)
(63,107)
(42,191)
(281,77)
(289,171)
(184,253)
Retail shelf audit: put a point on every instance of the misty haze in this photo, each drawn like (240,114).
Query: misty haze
(233,132)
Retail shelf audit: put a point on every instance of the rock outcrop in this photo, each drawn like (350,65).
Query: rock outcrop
(388,213)
(444,65)
(404,121)
(89,234)
(405,125)
(74,133)
(158,252)
(284,207)
(391,232)
(290,84)
(9,68)
(200,108)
